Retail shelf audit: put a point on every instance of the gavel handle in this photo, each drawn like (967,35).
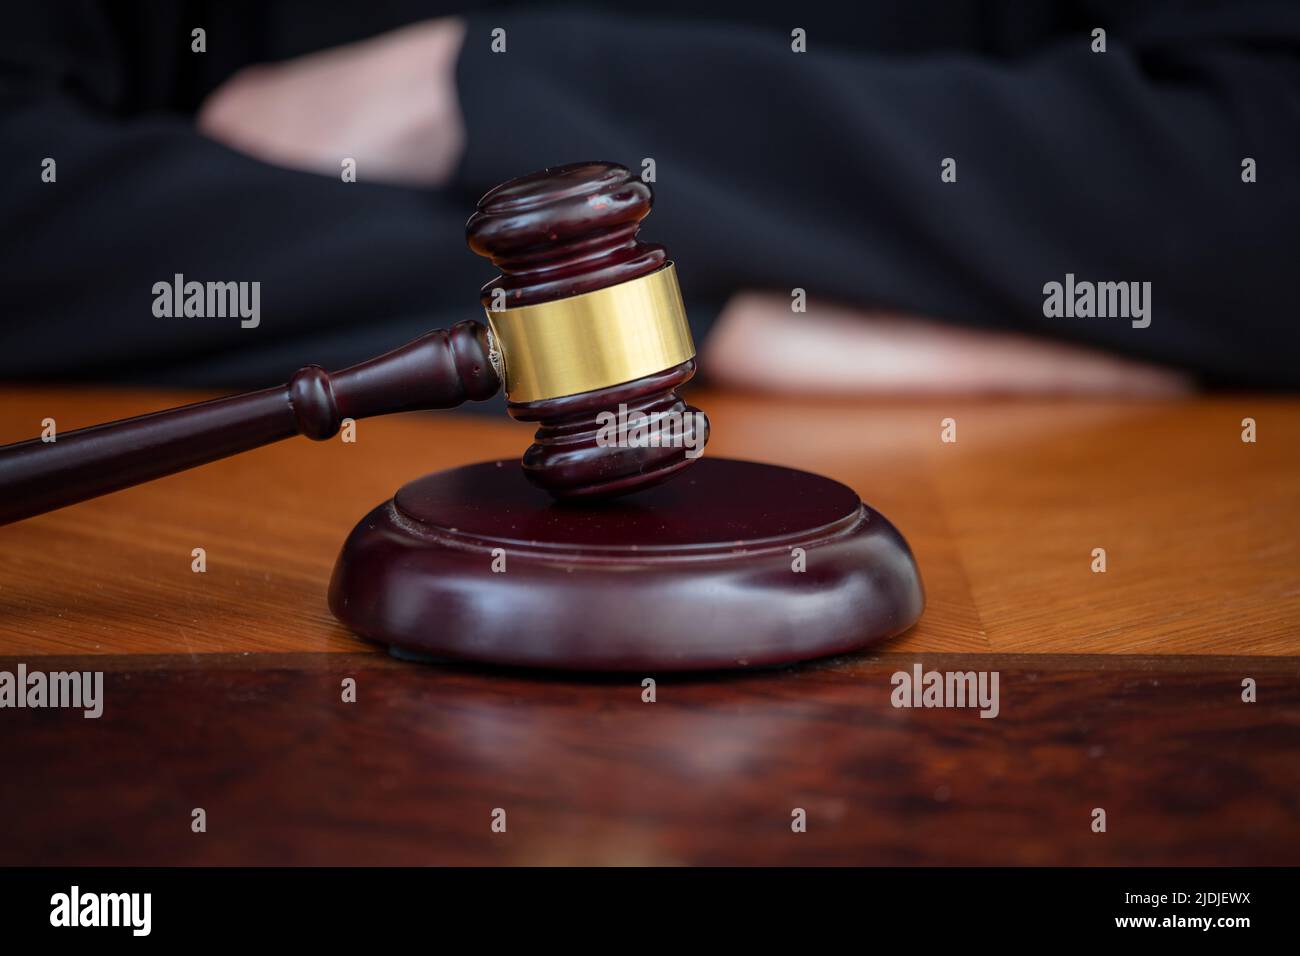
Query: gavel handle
(439,370)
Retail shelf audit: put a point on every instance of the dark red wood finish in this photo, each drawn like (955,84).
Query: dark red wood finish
(562,232)
(439,370)
(558,232)
(591,774)
(567,459)
(475,563)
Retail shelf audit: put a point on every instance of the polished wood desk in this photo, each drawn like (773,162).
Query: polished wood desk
(1119,690)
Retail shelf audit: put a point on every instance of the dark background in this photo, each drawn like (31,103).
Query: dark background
(775,170)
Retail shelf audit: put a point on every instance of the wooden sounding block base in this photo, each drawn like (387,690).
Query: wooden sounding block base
(702,572)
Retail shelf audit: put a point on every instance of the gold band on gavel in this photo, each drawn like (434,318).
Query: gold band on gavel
(585,342)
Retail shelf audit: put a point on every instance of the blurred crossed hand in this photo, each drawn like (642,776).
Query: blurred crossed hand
(388,102)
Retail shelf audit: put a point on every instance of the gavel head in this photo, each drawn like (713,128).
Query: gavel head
(589,333)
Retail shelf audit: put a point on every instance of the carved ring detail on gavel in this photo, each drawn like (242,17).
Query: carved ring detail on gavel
(584,319)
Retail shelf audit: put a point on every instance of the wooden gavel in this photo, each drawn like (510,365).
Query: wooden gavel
(584,319)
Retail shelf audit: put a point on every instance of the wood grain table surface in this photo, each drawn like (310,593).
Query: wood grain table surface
(1120,690)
